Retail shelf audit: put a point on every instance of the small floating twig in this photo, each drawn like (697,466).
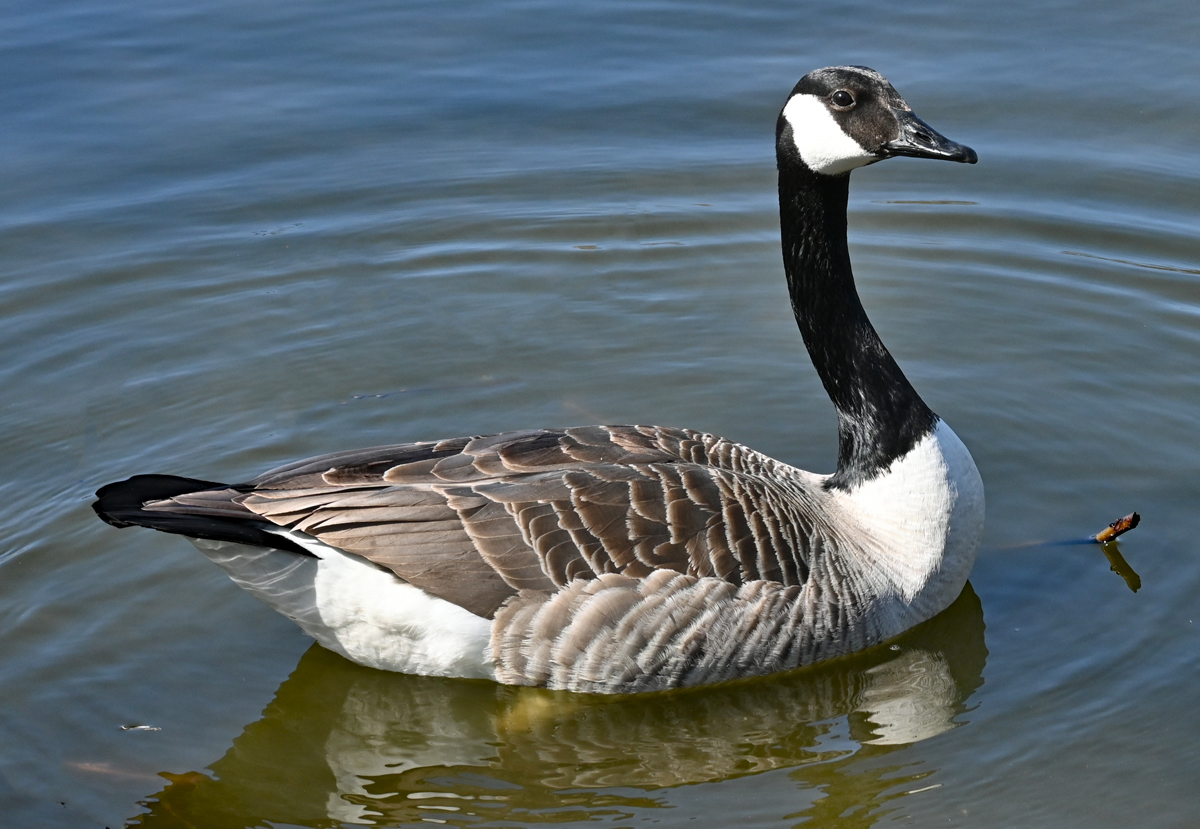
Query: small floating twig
(1118,527)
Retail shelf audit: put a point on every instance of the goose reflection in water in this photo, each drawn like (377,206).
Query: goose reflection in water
(345,744)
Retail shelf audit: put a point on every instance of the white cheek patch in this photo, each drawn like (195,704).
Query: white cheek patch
(819,139)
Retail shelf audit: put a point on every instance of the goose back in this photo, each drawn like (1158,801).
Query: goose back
(476,520)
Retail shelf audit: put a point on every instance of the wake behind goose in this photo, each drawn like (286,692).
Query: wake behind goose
(631,558)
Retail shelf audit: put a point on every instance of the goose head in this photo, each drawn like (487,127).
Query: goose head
(843,117)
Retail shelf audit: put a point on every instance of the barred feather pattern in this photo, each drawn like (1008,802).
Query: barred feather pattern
(669,631)
(614,558)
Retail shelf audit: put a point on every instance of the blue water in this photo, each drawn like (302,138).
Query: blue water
(237,234)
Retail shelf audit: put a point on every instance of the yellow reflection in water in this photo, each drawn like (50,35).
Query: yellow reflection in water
(341,744)
(1120,566)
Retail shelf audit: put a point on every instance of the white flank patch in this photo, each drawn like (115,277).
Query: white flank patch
(359,610)
(922,519)
(822,144)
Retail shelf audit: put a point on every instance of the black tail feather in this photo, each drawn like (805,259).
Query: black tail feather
(121,505)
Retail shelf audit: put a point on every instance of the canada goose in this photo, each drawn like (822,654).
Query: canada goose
(631,558)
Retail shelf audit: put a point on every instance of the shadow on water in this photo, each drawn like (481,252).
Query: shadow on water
(345,744)
(1111,551)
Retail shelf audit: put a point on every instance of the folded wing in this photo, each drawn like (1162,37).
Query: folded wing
(475,520)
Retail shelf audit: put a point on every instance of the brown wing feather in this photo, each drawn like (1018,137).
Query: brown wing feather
(475,520)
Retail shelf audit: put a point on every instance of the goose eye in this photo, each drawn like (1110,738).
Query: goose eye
(842,99)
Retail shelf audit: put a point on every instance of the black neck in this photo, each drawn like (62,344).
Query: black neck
(880,415)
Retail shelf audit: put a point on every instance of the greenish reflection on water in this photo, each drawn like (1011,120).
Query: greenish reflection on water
(346,744)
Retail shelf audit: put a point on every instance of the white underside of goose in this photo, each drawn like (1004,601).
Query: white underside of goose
(358,609)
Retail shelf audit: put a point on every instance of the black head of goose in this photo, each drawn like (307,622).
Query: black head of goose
(630,558)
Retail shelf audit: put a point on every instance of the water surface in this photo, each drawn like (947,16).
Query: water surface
(235,235)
